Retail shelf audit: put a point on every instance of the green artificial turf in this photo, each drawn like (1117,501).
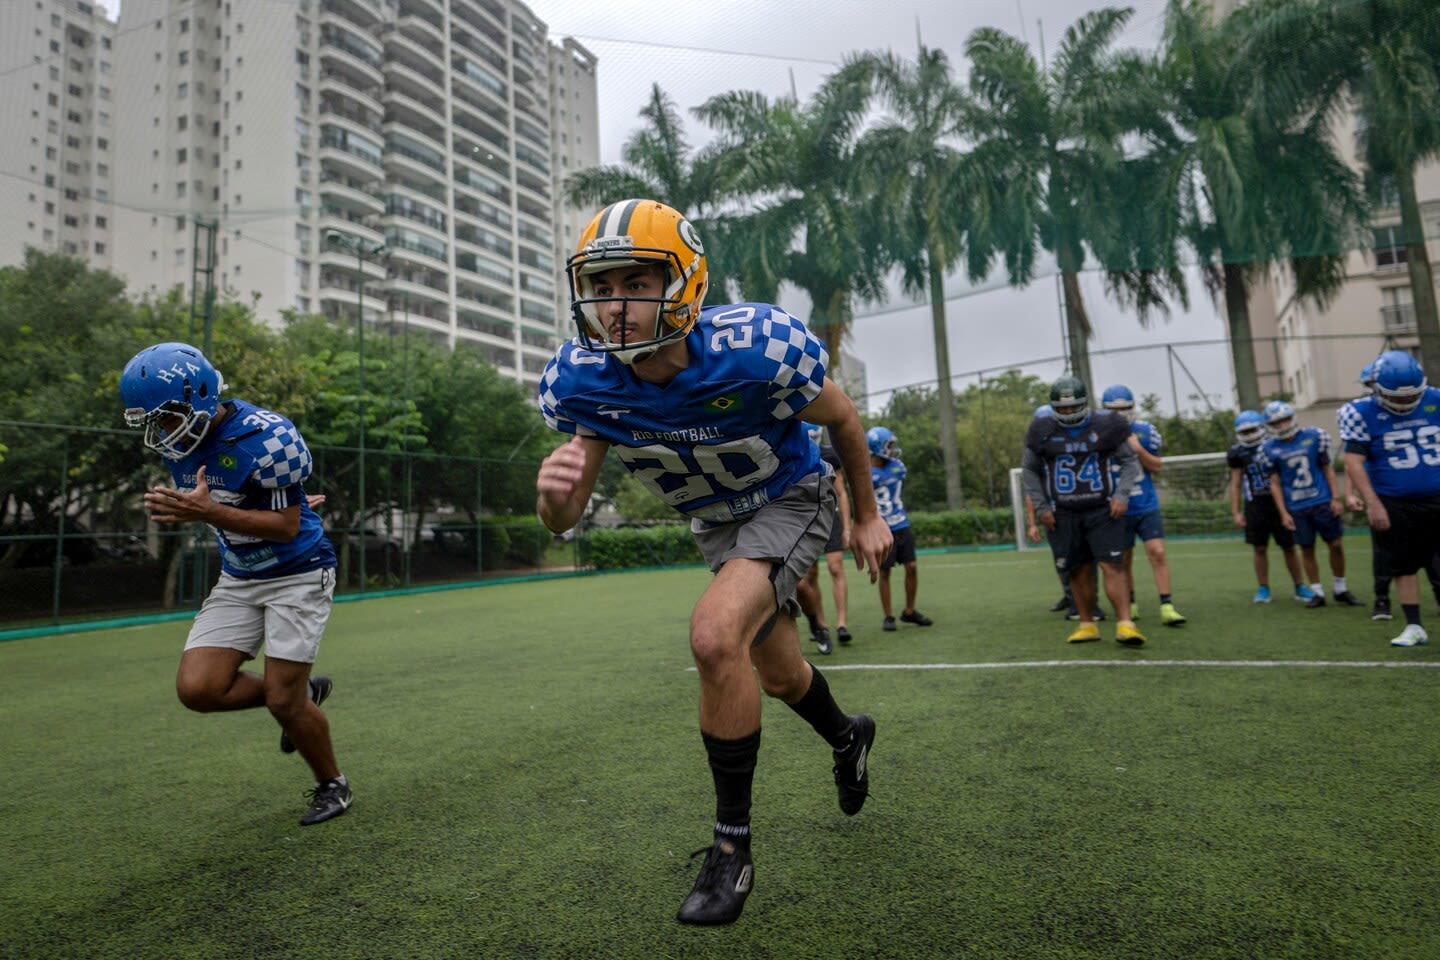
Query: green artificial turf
(530,782)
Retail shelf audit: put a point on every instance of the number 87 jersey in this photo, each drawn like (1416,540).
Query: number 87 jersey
(1402,451)
(721,439)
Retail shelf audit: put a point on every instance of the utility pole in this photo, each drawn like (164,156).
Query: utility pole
(208,272)
(362,251)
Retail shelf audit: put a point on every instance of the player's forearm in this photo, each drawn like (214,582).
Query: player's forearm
(277,526)
(1359,479)
(559,514)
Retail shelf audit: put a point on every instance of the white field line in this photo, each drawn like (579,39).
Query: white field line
(1352,664)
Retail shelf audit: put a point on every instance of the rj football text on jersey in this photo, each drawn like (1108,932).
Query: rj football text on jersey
(703,406)
(241,470)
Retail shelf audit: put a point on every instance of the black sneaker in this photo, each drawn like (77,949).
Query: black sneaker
(889,625)
(822,640)
(1062,604)
(852,772)
(1347,599)
(1072,614)
(1100,615)
(917,618)
(724,882)
(842,635)
(1381,610)
(320,688)
(327,801)
(1316,601)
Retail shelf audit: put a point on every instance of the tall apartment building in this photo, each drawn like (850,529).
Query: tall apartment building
(57,155)
(396,159)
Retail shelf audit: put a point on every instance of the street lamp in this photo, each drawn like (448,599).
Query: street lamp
(362,252)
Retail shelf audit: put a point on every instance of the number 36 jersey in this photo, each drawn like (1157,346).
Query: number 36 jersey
(1402,451)
(256,460)
(724,437)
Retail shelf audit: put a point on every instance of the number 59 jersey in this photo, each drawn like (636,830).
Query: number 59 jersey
(256,460)
(724,437)
(1402,451)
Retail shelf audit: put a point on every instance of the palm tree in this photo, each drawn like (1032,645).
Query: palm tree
(1245,191)
(660,164)
(794,166)
(1380,58)
(919,213)
(1050,150)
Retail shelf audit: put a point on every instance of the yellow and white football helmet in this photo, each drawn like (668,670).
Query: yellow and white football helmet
(638,232)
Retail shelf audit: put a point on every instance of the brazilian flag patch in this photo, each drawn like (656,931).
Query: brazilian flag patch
(724,403)
(1429,408)
(227,461)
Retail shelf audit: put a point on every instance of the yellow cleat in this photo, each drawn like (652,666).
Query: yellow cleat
(1126,633)
(1170,616)
(1084,633)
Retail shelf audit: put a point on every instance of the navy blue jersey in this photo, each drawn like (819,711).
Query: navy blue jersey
(1077,459)
(724,437)
(256,460)
(1254,469)
(1402,451)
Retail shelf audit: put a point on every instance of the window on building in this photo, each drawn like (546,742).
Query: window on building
(180,188)
(1389,247)
(181,155)
(185,25)
(182,91)
(102,223)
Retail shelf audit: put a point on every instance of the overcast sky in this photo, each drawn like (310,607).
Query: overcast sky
(697,48)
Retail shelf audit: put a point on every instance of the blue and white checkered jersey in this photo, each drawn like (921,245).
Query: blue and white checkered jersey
(725,436)
(1143,496)
(888,481)
(1254,469)
(1299,461)
(256,460)
(1402,451)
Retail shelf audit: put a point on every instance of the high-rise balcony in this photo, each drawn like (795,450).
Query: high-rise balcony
(1398,318)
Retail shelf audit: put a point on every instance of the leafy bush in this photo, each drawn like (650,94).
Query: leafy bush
(656,546)
(955,528)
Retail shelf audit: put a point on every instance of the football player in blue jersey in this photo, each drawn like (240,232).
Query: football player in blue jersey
(1142,516)
(1307,496)
(1078,498)
(1392,460)
(808,593)
(1260,519)
(704,408)
(240,469)
(887,474)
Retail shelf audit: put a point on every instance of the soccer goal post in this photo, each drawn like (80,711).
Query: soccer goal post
(1194,493)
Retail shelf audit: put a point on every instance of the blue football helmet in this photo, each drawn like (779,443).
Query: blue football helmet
(1280,419)
(882,443)
(1249,428)
(1119,399)
(172,391)
(1367,376)
(1399,382)
(1069,402)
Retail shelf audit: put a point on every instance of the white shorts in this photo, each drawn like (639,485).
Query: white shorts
(285,615)
(789,531)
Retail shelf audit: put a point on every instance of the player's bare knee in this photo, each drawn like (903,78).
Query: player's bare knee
(198,694)
(714,647)
(286,703)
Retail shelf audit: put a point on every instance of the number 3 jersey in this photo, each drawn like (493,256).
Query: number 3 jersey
(724,437)
(256,460)
(1300,462)
(1402,451)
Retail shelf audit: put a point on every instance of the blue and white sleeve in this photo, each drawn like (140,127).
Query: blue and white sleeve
(796,359)
(562,378)
(283,465)
(1353,428)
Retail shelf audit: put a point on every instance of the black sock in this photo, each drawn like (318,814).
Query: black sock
(1165,598)
(732,764)
(811,621)
(1412,613)
(821,711)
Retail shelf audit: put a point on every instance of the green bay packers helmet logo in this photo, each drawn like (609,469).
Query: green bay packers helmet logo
(689,236)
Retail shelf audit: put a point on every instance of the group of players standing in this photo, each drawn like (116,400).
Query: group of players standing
(1391,444)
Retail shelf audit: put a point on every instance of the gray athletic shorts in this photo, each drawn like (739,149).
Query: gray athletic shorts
(285,615)
(789,531)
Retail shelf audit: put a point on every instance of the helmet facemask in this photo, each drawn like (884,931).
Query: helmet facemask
(1400,401)
(1250,434)
(673,316)
(188,429)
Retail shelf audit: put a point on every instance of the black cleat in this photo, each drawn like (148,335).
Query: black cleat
(852,770)
(327,801)
(842,635)
(889,626)
(917,618)
(1062,604)
(1347,599)
(1381,610)
(1099,615)
(320,688)
(724,882)
(1316,601)
(822,641)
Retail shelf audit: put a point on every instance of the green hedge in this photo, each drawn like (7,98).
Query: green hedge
(658,546)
